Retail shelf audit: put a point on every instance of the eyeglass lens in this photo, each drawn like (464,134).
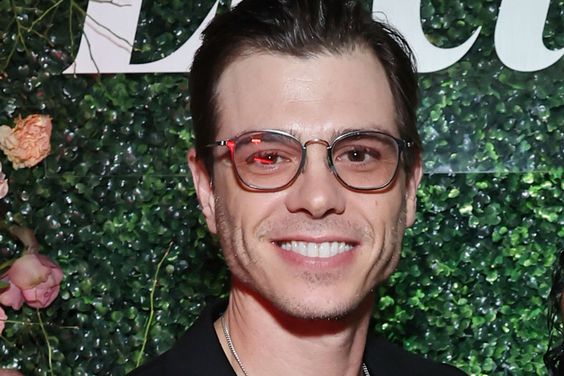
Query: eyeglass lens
(271,160)
(365,161)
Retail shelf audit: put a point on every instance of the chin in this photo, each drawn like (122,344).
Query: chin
(317,308)
(325,301)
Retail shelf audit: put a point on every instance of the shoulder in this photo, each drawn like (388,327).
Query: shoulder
(389,359)
(196,353)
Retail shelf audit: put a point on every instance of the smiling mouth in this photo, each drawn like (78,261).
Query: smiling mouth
(322,250)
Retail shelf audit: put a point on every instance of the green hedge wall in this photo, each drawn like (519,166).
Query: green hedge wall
(115,206)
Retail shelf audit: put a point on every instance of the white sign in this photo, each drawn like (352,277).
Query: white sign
(109,34)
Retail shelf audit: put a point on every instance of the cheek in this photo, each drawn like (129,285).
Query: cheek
(242,210)
(383,208)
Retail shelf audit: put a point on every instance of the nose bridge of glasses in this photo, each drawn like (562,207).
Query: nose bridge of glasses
(316,141)
(326,148)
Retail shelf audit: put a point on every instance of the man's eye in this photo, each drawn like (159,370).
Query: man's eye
(359,155)
(356,156)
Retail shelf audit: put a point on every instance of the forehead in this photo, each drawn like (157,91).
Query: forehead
(311,97)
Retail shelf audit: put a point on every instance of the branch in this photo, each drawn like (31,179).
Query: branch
(19,35)
(54,6)
(152,305)
(111,2)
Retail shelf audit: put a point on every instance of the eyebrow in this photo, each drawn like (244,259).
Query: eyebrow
(371,127)
(337,132)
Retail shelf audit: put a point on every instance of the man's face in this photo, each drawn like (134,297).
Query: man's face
(262,232)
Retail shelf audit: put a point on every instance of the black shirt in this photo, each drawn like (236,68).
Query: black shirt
(199,353)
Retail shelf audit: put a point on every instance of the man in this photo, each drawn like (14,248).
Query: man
(306,166)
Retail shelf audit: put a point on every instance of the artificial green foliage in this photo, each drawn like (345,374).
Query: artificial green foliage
(476,271)
(114,198)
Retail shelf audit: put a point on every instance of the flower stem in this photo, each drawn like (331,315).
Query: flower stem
(152,305)
(49,349)
(7,341)
(40,323)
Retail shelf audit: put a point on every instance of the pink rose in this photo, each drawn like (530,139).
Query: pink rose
(3,184)
(38,277)
(29,142)
(3,318)
(10,372)
(12,296)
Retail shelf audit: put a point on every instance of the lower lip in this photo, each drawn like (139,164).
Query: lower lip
(336,261)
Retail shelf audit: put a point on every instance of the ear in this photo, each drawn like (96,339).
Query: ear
(412,184)
(204,190)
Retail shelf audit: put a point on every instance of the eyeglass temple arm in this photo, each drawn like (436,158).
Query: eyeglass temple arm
(407,144)
(217,143)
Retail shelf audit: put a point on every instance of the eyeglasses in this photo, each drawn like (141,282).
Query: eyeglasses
(272,160)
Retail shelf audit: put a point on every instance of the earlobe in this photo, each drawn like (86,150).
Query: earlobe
(412,185)
(204,190)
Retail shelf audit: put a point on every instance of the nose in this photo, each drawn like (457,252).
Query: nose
(316,191)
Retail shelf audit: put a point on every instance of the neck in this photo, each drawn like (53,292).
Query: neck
(271,342)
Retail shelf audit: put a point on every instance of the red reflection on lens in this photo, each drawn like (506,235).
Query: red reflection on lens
(263,160)
(231,145)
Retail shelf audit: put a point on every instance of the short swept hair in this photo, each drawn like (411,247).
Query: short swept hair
(300,28)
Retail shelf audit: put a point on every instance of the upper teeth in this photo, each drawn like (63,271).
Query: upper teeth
(325,249)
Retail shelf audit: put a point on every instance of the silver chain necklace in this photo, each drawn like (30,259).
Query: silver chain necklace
(238,360)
